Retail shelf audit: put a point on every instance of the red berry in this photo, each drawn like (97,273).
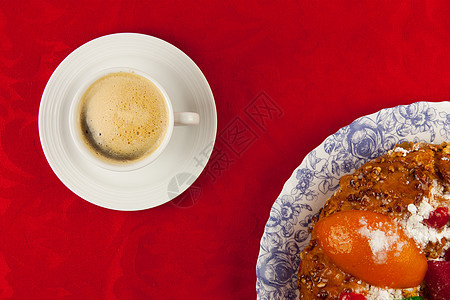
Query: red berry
(438,218)
(438,280)
(351,296)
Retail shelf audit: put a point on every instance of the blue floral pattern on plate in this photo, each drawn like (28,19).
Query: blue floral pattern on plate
(317,177)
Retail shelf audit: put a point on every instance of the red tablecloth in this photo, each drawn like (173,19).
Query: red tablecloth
(285,75)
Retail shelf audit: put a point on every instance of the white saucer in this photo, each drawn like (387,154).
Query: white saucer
(190,146)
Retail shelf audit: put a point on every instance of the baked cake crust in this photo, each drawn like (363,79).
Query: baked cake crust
(393,185)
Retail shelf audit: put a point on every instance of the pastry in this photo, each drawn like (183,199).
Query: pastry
(385,232)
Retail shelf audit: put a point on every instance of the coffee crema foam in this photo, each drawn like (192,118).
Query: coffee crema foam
(122,117)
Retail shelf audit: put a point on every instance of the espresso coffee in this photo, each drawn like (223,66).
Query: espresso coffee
(122,117)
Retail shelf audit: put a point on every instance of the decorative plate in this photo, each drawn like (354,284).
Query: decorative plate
(317,177)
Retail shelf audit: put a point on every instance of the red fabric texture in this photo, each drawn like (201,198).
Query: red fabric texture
(284,74)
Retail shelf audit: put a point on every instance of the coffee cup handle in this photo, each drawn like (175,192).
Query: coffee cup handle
(186,118)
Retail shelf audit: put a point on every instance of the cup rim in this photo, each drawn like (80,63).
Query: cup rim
(87,154)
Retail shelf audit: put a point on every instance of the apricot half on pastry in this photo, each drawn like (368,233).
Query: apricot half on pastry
(371,247)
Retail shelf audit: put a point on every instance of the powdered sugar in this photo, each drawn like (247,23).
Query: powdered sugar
(412,208)
(421,233)
(436,190)
(400,150)
(384,294)
(414,226)
(381,241)
(425,209)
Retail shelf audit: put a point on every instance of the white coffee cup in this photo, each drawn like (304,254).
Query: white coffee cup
(173,118)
